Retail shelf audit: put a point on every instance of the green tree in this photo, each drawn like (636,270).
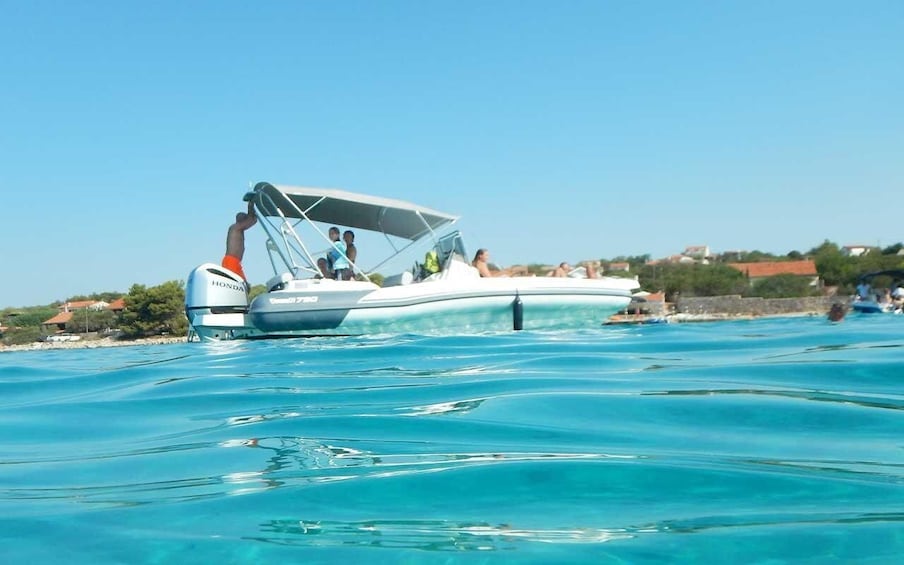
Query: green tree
(97,297)
(832,266)
(757,256)
(893,249)
(717,280)
(88,320)
(31,316)
(21,336)
(155,310)
(692,279)
(537,269)
(782,286)
(635,261)
(825,247)
(255,291)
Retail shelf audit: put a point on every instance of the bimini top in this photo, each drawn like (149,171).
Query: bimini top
(897,274)
(339,207)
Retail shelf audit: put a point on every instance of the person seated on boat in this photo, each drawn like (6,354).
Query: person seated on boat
(338,263)
(561,271)
(898,292)
(897,296)
(351,252)
(235,241)
(864,291)
(481,263)
(591,268)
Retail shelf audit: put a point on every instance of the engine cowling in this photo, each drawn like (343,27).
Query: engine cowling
(216,290)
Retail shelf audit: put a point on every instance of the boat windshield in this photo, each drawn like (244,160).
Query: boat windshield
(451,247)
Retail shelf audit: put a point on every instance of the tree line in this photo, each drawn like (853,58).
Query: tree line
(149,311)
(834,268)
(160,309)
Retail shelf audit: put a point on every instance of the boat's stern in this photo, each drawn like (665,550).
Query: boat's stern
(216,303)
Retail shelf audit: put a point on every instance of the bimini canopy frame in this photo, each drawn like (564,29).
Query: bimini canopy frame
(895,274)
(338,207)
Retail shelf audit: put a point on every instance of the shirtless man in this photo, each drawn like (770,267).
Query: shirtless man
(235,240)
(348,236)
(562,270)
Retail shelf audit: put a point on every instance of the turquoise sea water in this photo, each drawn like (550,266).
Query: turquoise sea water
(765,441)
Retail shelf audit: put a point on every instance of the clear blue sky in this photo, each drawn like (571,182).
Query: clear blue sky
(129,131)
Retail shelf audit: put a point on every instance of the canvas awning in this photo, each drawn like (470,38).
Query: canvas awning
(348,209)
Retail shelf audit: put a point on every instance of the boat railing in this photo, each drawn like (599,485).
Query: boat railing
(284,241)
(294,254)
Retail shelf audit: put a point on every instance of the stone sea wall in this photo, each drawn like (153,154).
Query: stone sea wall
(735,305)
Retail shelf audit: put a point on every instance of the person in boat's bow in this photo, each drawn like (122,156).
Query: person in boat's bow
(481,263)
(562,270)
(235,240)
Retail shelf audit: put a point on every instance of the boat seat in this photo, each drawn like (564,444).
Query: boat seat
(279,281)
(458,270)
(398,280)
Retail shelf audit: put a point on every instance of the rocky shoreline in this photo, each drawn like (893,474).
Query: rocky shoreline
(92,343)
(617,319)
(620,319)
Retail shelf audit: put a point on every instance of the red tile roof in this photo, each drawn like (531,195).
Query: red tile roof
(60,318)
(118,304)
(79,304)
(771,268)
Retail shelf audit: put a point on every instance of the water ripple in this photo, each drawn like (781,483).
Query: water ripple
(757,441)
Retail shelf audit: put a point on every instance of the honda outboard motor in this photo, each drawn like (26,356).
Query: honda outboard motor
(212,289)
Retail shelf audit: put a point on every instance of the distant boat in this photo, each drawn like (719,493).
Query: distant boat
(451,297)
(868,301)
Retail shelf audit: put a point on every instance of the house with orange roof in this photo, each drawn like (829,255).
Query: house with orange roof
(67,311)
(117,305)
(765,269)
(60,321)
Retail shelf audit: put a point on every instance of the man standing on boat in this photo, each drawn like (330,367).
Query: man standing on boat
(235,240)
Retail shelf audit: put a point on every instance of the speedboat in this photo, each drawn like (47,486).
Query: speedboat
(448,297)
(871,297)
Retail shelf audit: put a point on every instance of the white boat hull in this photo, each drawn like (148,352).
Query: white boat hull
(315,307)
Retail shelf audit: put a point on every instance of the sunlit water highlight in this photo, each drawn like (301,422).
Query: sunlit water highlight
(767,441)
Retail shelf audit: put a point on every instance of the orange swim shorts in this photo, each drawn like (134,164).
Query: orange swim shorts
(233,264)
